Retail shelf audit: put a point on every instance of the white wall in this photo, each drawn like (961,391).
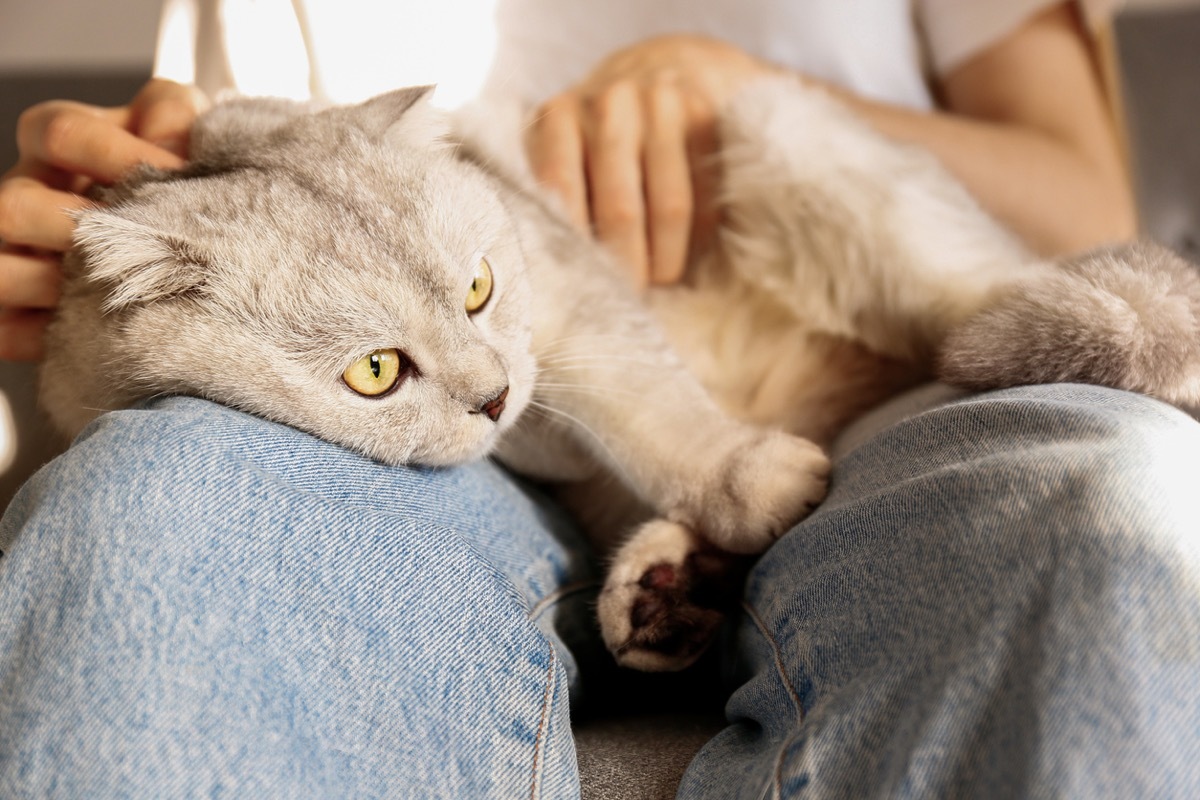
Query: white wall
(44,35)
(49,35)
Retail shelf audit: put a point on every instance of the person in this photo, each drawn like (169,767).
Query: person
(998,598)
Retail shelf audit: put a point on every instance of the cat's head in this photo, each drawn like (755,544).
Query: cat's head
(344,272)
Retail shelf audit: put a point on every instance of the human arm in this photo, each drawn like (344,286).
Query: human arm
(1025,126)
(65,147)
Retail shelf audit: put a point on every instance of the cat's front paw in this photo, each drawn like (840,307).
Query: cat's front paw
(666,595)
(764,486)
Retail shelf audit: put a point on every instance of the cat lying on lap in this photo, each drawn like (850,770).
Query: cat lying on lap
(362,274)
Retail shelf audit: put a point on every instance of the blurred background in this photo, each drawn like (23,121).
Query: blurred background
(101,52)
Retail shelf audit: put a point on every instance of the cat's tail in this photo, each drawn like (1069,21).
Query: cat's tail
(1126,317)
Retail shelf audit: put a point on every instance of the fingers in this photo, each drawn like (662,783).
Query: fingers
(702,146)
(629,161)
(668,183)
(64,147)
(87,141)
(28,281)
(555,147)
(34,215)
(613,158)
(22,334)
(163,113)
(645,120)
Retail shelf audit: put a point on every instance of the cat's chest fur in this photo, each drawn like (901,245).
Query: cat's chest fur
(766,365)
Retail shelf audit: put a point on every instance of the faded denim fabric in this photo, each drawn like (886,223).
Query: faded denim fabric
(202,604)
(1001,597)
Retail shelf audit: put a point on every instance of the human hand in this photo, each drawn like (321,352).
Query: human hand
(64,147)
(629,149)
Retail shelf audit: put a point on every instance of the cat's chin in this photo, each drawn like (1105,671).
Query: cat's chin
(459,456)
(460,452)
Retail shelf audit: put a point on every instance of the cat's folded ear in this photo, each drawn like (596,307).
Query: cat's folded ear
(140,264)
(399,116)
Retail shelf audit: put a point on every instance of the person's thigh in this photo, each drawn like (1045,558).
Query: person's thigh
(1000,598)
(198,602)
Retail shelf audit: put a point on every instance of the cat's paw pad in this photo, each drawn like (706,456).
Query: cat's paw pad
(767,485)
(666,595)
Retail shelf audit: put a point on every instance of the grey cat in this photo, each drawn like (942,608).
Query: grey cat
(366,275)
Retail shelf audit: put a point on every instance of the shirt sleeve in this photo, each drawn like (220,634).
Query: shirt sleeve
(956,30)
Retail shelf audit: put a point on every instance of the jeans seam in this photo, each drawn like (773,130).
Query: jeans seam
(547,699)
(558,594)
(777,773)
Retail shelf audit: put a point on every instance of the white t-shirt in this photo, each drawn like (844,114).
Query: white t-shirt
(346,50)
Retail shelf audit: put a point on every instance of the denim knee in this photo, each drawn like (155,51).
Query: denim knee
(1094,471)
(1003,588)
(208,602)
(1069,460)
(192,468)
(1082,486)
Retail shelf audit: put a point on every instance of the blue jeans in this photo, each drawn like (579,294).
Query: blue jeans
(1000,597)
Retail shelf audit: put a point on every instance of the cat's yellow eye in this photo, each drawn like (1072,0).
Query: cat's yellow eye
(481,287)
(375,373)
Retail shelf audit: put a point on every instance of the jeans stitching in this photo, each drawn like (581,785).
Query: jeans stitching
(547,698)
(787,685)
(778,657)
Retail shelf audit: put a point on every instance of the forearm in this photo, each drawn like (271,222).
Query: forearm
(1060,195)
(1027,128)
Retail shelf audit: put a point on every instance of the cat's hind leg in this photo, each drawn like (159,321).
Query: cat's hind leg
(667,593)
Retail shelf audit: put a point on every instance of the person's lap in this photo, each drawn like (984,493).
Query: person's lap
(273,612)
(209,603)
(999,598)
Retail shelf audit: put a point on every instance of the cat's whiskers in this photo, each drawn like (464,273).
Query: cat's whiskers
(97,410)
(583,337)
(573,353)
(548,412)
(591,346)
(567,388)
(622,363)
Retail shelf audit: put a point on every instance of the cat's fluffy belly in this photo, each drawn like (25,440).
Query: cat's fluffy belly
(764,366)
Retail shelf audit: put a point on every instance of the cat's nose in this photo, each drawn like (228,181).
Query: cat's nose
(494,407)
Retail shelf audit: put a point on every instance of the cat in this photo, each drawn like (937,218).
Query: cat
(369,275)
